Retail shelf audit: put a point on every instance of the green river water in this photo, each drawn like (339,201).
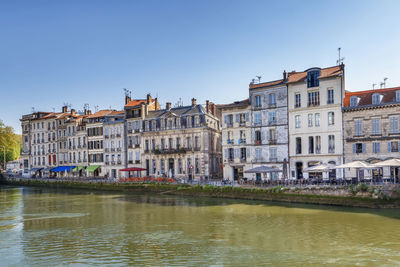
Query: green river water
(47,227)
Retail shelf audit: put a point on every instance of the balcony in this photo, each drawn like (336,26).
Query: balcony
(118,135)
(170,151)
(112,149)
(130,146)
(257,142)
(273,122)
(137,130)
(230,141)
(119,149)
(130,162)
(146,151)
(137,145)
(119,162)
(230,159)
(272,141)
(84,160)
(243,160)
(112,136)
(106,136)
(137,161)
(79,160)
(107,162)
(242,141)
(272,105)
(112,162)
(197,149)
(229,125)
(130,131)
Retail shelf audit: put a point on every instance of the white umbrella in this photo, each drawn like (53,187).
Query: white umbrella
(319,168)
(389,163)
(356,165)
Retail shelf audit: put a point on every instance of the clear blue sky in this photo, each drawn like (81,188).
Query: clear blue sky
(87,51)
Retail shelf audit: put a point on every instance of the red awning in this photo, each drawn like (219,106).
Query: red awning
(132,169)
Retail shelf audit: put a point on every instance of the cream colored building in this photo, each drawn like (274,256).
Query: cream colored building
(114,144)
(135,111)
(315,99)
(236,139)
(371,130)
(182,142)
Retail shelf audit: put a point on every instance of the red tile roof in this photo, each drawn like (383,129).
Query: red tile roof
(265,84)
(101,113)
(135,102)
(325,73)
(389,96)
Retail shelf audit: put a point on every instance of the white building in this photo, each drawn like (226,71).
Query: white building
(236,139)
(315,99)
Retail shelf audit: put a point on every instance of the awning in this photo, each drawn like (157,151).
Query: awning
(35,169)
(92,168)
(262,169)
(133,169)
(48,169)
(77,168)
(63,168)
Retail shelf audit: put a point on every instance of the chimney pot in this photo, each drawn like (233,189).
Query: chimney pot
(72,111)
(64,109)
(284,75)
(193,102)
(148,98)
(168,105)
(207,106)
(127,99)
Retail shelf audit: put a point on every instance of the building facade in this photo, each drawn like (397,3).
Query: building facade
(236,139)
(269,128)
(182,142)
(315,99)
(371,129)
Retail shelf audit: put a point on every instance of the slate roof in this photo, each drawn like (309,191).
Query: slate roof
(266,84)
(242,103)
(178,111)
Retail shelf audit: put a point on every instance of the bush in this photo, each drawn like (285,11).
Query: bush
(363,187)
(353,190)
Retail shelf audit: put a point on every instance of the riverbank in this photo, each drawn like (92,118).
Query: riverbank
(349,196)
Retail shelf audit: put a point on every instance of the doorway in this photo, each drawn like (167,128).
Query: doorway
(299,170)
(171,167)
(147,167)
(237,173)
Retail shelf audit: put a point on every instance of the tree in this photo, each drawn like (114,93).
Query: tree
(11,141)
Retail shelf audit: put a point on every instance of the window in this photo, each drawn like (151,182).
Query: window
(398,96)
(258,137)
(353,101)
(313,98)
(310,145)
(318,145)
(229,120)
(162,167)
(272,99)
(272,154)
(310,120)
(376,99)
(272,117)
(297,100)
(272,135)
(312,78)
(243,153)
(393,146)
(331,99)
(331,118)
(257,118)
(230,154)
(258,153)
(317,118)
(331,144)
(297,121)
(376,147)
(197,165)
(258,101)
(358,126)
(376,126)
(394,124)
(298,145)
(359,148)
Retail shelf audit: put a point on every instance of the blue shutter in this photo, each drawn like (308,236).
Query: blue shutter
(363,148)
(226,119)
(389,147)
(237,117)
(354,148)
(247,116)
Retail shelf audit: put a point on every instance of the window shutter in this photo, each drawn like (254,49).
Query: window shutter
(247,152)
(237,118)
(263,137)
(226,119)
(354,148)
(247,116)
(389,147)
(262,100)
(363,148)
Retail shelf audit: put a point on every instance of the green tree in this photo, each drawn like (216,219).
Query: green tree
(11,141)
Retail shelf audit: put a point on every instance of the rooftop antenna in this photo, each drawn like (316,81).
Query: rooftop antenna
(33,109)
(54,110)
(127,92)
(96,108)
(373,86)
(384,82)
(259,78)
(340,59)
(253,80)
(86,106)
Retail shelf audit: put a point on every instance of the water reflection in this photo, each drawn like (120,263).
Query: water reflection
(76,227)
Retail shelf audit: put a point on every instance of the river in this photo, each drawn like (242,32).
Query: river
(47,227)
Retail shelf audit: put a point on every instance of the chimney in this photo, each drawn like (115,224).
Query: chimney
(88,112)
(207,106)
(148,98)
(72,111)
(168,106)
(284,75)
(193,102)
(127,99)
(64,109)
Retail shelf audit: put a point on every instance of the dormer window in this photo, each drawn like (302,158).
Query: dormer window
(398,96)
(353,101)
(312,78)
(376,99)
